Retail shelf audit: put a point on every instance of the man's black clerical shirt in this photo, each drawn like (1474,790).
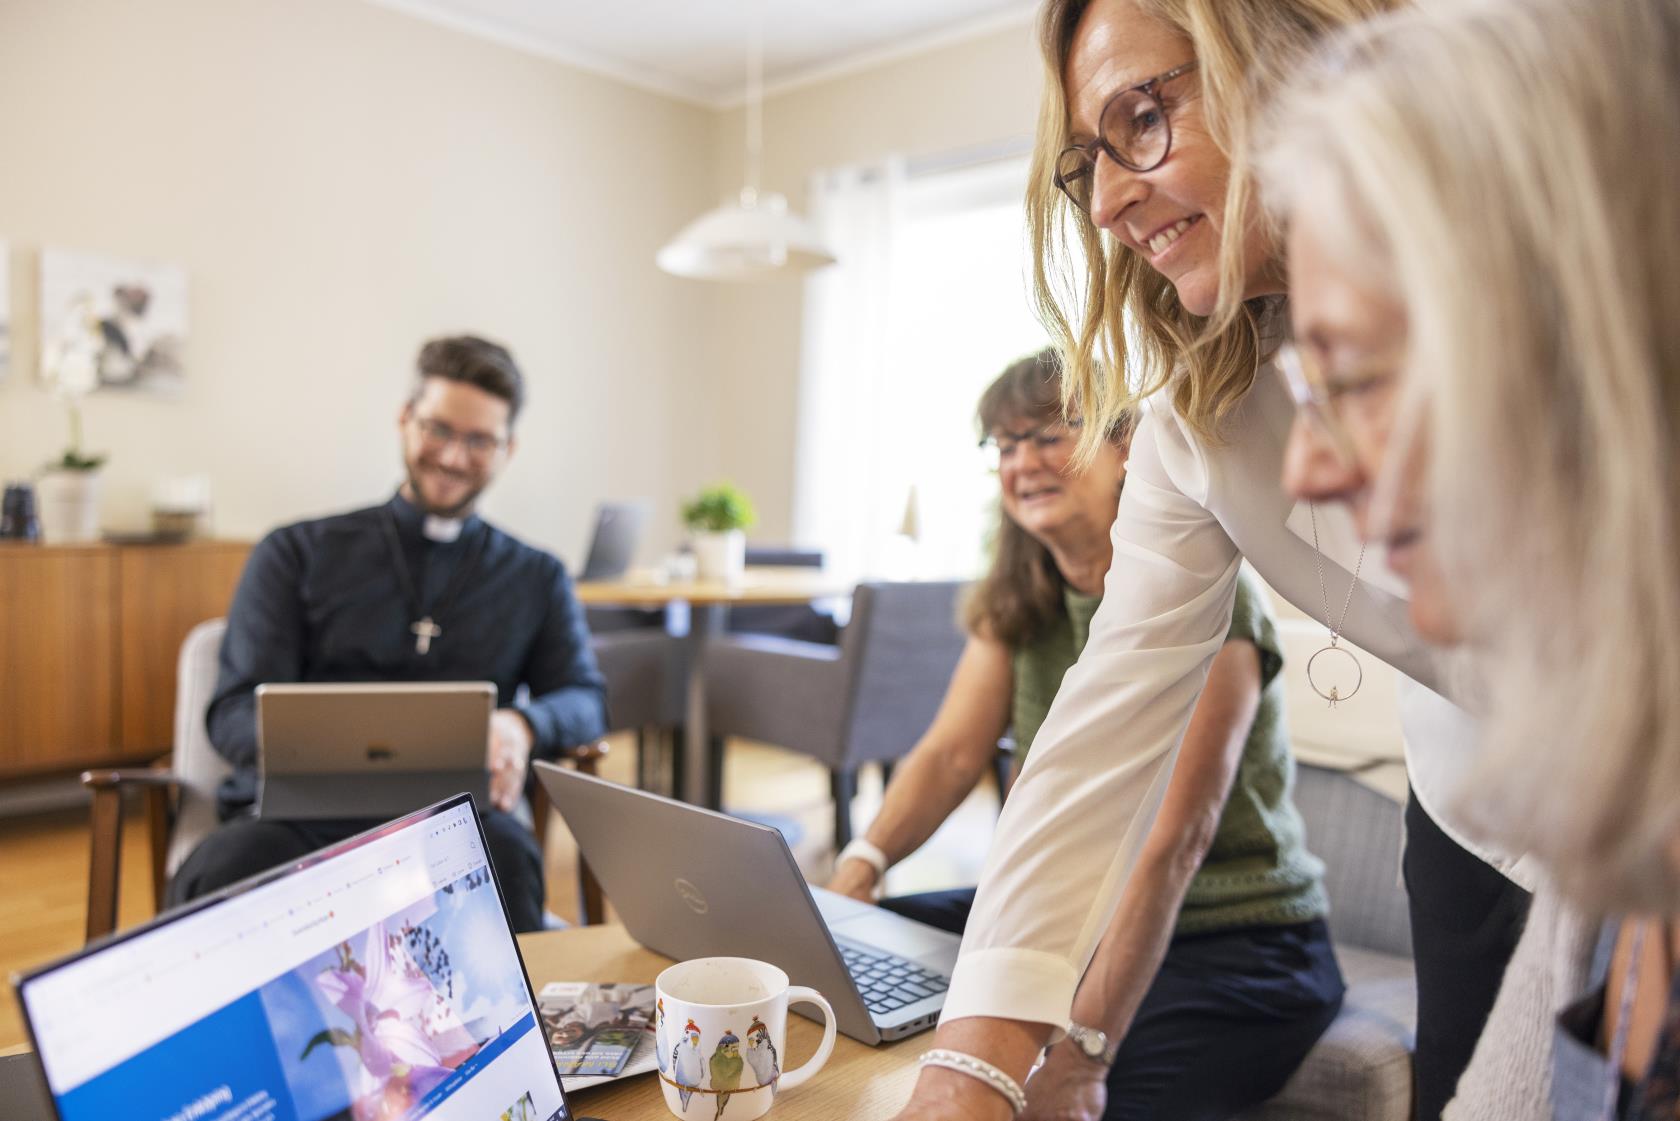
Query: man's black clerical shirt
(325,601)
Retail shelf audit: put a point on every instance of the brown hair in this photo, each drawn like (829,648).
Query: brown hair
(1087,288)
(476,362)
(1022,593)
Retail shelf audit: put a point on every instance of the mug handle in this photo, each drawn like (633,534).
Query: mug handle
(794,1078)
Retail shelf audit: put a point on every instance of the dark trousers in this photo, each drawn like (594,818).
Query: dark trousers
(1466,919)
(1224,1024)
(244,846)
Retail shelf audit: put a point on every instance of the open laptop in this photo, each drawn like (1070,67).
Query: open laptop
(379,973)
(370,750)
(612,548)
(688,883)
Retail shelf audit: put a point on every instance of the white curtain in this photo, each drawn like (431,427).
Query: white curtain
(927,304)
(841,464)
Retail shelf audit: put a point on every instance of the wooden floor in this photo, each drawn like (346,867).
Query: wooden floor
(43,858)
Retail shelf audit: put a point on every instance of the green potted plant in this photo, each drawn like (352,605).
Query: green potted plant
(717,519)
(69,485)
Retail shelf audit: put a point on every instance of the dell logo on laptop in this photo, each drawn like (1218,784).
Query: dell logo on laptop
(690,894)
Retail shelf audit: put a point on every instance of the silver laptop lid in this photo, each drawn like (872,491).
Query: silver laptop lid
(688,882)
(381,972)
(618,532)
(314,728)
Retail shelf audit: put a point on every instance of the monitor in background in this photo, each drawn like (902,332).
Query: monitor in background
(376,978)
(618,532)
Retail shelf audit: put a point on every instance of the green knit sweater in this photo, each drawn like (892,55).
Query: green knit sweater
(1258,871)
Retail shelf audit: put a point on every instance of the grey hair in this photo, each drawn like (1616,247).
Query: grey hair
(1511,165)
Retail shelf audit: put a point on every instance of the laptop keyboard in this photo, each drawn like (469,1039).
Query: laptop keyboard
(888,982)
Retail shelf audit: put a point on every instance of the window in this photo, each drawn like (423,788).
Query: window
(928,304)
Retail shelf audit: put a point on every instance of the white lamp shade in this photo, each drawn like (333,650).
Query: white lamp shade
(744,240)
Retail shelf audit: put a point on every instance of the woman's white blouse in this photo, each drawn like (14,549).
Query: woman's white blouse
(1076,819)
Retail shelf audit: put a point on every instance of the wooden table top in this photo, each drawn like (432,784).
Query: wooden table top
(859,1083)
(759,585)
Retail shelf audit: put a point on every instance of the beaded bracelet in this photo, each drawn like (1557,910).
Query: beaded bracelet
(980,1070)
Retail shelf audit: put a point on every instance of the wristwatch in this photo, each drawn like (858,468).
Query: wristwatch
(1093,1044)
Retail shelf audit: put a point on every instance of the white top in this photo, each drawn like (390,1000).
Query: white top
(1077,817)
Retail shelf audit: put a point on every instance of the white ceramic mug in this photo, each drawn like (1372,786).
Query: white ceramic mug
(721,1029)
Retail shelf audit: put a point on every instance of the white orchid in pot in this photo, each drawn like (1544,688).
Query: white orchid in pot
(69,485)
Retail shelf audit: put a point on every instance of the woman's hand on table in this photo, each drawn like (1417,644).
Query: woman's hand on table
(1067,1087)
(945,1095)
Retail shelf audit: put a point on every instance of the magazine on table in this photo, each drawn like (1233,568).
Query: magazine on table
(598,1032)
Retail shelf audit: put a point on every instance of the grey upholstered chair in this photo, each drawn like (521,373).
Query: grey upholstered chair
(866,700)
(645,680)
(1361,1069)
(805,621)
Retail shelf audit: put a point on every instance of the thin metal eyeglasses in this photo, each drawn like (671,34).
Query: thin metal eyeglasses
(479,445)
(1323,400)
(1046,439)
(1132,129)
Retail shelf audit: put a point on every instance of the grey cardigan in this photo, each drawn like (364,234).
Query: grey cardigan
(1510,1074)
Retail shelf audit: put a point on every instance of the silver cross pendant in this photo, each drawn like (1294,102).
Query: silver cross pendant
(424,631)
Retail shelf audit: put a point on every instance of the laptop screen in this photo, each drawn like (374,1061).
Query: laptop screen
(377,979)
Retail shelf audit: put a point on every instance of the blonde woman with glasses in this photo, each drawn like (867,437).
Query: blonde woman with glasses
(1482,225)
(1150,256)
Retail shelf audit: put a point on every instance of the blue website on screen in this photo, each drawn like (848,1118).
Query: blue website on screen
(379,985)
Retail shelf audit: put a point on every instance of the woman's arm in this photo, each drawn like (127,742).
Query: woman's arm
(944,765)
(1069,1085)
(1076,820)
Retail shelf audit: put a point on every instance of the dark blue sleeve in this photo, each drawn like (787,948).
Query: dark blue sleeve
(264,642)
(568,693)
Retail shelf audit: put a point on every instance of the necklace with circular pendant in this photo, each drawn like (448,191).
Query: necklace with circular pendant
(1334,673)
(1330,677)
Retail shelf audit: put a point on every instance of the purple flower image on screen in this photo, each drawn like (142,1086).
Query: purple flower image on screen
(407,1036)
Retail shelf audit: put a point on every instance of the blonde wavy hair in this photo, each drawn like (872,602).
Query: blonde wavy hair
(1511,164)
(1087,288)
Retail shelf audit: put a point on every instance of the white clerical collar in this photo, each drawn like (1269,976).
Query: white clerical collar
(442,530)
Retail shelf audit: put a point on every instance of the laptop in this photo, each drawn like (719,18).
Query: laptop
(370,750)
(688,883)
(22,1089)
(612,548)
(377,976)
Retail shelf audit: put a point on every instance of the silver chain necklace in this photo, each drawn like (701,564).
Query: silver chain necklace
(1335,695)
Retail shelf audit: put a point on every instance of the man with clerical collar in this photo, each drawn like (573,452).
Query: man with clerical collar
(417,589)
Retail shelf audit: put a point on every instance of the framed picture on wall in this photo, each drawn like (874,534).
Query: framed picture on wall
(5,310)
(133,313)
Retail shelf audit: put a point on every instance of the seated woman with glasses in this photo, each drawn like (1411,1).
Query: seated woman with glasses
(1225,965)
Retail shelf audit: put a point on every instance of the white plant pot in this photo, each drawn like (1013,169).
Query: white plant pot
(721,557)
(69,506)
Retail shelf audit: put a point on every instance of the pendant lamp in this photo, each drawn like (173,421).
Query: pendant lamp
(753,236)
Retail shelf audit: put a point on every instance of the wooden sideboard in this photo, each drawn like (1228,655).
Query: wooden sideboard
(89,636)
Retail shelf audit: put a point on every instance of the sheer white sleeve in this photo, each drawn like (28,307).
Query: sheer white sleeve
(1099,766)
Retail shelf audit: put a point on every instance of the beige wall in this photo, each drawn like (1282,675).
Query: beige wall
(341,181)
(972,94)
